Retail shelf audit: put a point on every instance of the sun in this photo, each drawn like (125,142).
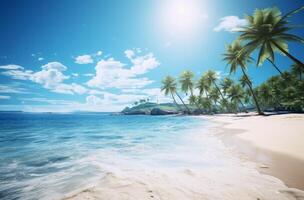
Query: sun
(181,17)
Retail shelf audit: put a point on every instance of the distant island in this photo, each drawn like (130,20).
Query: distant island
(149,108)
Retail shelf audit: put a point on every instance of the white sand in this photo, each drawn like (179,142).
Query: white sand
(229,179)
(278,133)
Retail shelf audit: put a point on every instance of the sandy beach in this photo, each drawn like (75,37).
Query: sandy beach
(235,177)
(275,142)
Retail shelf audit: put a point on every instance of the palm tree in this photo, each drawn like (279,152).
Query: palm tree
(169,86)
(237,58)
(214,95)
(226,84)
(236,94)
(297,70)
(244,81)
(205,102)
(202,85)
(267,30)
(187,84)
(192,100)
(211,79)
(265,94)
(275,66)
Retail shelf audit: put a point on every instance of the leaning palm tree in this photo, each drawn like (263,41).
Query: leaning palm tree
(226,84)
(169,87)
(203,86)
(187,84)
(214,95)
(267,31)
(265,94)
(244,81)
(236,94)
(238,58)
(211,79)
(296,69)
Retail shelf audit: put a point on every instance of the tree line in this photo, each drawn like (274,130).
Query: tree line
(267,32)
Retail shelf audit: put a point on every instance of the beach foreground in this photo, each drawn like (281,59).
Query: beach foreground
(275,142)
(234,178)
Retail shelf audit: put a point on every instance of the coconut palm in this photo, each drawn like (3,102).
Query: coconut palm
(236,94)
(206,103)
(297,70)
(192,100)
(244,81)
(187,84)
(211,78)
(226,84)
(267,31)
(237,58)
(265,94)
(214,95)
(169,86)
(202,85)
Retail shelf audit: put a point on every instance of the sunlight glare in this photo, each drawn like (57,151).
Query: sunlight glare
(182,17)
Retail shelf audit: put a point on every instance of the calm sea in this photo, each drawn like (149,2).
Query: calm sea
(45,155)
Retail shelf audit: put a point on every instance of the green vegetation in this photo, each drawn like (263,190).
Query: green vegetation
(267,32)
(147,107)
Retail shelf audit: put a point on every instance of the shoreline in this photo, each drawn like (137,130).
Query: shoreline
(235,133)
(221,174)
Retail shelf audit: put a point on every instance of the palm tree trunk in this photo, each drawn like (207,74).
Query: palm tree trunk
(183,102)
(220,93)
(175,101)
(287,54)
(252,93)
(243,105)
(196,104)
(275,66)
(219,90)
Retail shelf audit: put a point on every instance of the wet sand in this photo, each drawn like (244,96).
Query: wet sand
(278,148)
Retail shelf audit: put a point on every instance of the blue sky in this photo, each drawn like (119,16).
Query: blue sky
(66,55)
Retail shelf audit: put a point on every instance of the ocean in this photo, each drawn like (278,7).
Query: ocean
(48,155)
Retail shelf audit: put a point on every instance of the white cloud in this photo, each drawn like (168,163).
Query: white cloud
(4,97)
(154,94)
(111,73)
(49,101)
(11,89)
(93,100)
(72,88)
(40,59)
(50,77)
(88,74)
(99,53)
(75,74)
(141,64)
(11,67)
(129,53)
(19,74)
(230,24)
(84,59)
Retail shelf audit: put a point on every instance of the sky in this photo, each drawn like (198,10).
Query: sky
(103,55)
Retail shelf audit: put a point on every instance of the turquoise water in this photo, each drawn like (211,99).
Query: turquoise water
(45,156)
